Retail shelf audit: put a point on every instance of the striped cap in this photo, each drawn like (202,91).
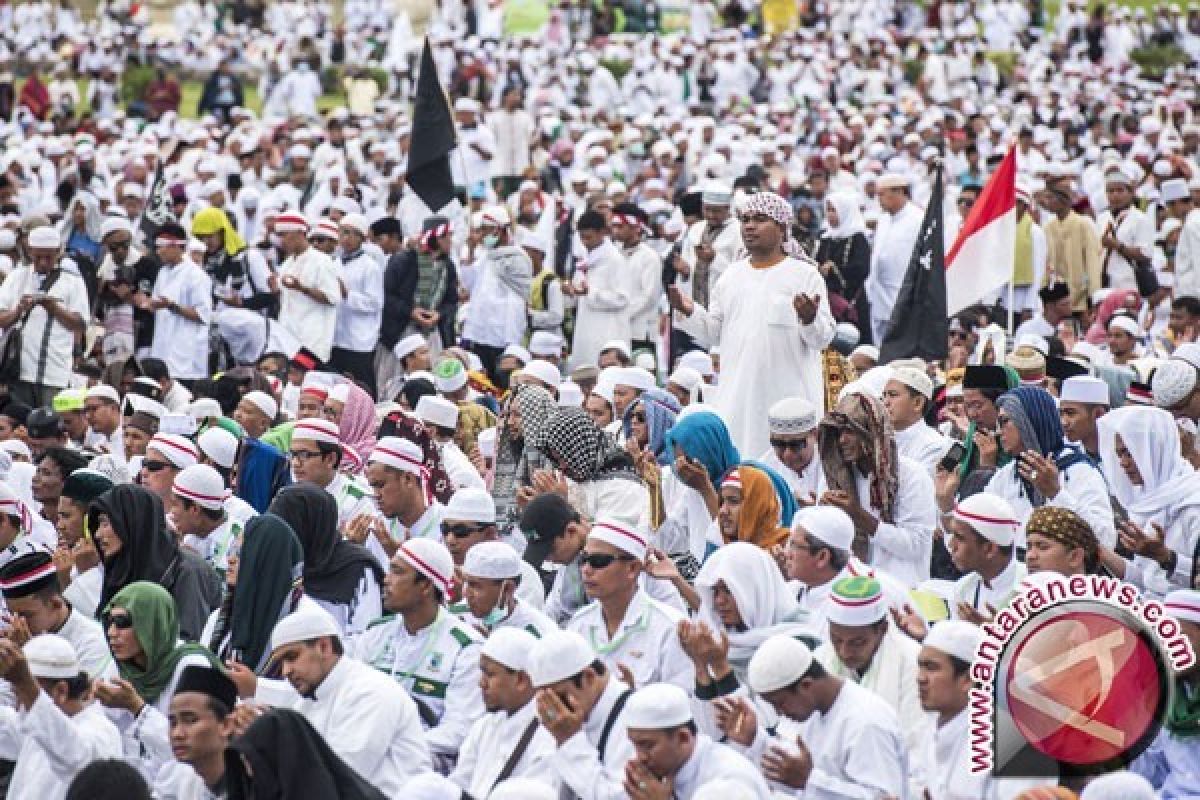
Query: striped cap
(620,536)
(734,479)
(430,558)
(1183,604)
(400,454)
(290,222)
(856,602)
(27,574)
(990,516)
(177,449)
(316,429)
(202,485)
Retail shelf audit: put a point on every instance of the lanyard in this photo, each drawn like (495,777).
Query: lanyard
(434,634)
(643,622)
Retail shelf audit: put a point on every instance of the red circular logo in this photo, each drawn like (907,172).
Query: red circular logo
(1083,687)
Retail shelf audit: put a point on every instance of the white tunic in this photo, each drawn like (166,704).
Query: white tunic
(308,320)
(359,315)
(1083,491)
(806,486)
(944,762)
(922,444)
(1134,228)
(895,237)
(54,747)
(55,369)
(603,312)
(753,319)
(711,761)
(903,547)
(490,743)
(644,270)
(181,343)
(580,766)
(646,641)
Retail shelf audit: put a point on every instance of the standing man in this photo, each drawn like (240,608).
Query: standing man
(356,333)
(182,308)
(1072,250)
(602,287)
(771,309)
(708,248)
(643,269)
(49,305)
(515,135)
(310,289)
(895,238)
(1127,233)
(496,317)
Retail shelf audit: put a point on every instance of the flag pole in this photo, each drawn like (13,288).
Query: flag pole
(1011,300)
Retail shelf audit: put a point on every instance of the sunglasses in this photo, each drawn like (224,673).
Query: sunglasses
(789,444)
(601,560)
(121,622)
(154,466)
(461,530)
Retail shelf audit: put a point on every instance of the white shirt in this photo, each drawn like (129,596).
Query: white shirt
(580,766)
(644,270)
(60,344)
(807,486)
(646,641)
(922,444)
(360,314)
(945,765)
(54,747)
(903,547)
(514,134)
(459,469)
(181,343)
(711,761)
(895,236)
(603,311)
(470,166)
(1134,228)
(308,320)
(496,316)
(491,742)
(973,590)
(1082,490)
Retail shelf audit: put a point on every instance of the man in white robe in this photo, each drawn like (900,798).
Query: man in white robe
(980,535)
(895,237)
(907,395)
(311,291)
(771,310)
(603,291)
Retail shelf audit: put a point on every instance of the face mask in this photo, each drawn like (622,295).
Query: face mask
(637,149)
(497,614)
(490,241)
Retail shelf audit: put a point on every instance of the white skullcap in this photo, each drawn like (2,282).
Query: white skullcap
(8,239)
(304,624)
(955,637)
(474,505)
(175,448)
(914,379)
(1183,604)
(15,447)
(339,392)
(1189,352)
(1172,383)
(113,224)
(856,602)
(52,656)
(792,415)
(103,391)
(1124,323)
(430,558)
(263,402)
(1175,189)
(545,343)
(1038,343)
(316,429)
(657,707)
(559,655)
(437,411)
(620,345)
(829,524)
(1119,786)
(635,377)
(523,789)
(893,180)
(716,194)
(202,485)
(497,216)
(409,345)
(569,395)
(867,351)
(685,378)
(697,360)
(990,516)
(487,442)
(399,453)
(620,536)
(449,375)
(508,646)
(543,371)
(219,445)
(355,222)
(204,408)
(1084,389)
(518,352)
(45,237)
(495,561)
(778,663)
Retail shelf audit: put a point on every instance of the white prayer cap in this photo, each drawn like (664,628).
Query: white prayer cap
(620,345)
(518,352)
(431,559)
(409,345)
(829,524)
(202,485)
(304,624)
(866,351)
(685,378)
(569,395)
(1118,786)
(1175,189)
(15,447)
(893,180)
(955,637)
(8,239)
(204,408)
(175,448)
(219,445)
(914,379)
(716,194)
(1183,604)
(1124,323)
(856,602)
(559,655)
(658,707)
(487,442)
(524,789)
(263,402)
(508,646)
(102,391)
(495,561)
(316,429)
(1189,352)
(545,343)
(437,411)
(778,663)
(792,415)
(475,505)
(45,237)
(496,216)
(449,375)
(635,377)
(466,104)
(1084,389)
(1038,343)
(398,453)
(620,536)
(543,371)
(1172,383)
(990,516)
(697,360)
(52,656)
(113,224)
(355,222)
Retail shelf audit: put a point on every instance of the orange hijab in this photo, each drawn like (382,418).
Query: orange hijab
(758,520)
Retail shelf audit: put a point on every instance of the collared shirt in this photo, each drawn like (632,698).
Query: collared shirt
(214,548)
(973,590)
(646,641)
(359,315)
(490,743)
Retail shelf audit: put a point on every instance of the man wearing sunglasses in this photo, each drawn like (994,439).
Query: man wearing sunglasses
(625,626)
(167,455)
(792,423)
(468,521)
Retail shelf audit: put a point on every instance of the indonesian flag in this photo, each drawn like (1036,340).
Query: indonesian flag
(981,259)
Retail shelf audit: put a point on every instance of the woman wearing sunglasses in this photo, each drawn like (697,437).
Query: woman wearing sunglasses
(143,636)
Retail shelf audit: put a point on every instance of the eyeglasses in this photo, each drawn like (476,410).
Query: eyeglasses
(638,417)
(601,560)
(958,334)
(790,444)
(461,530)
(304,455)
(121,622)
(154,466)
(1002,420)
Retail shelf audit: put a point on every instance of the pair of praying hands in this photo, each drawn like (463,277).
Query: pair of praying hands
(790,765)
(864,521)
(708,650)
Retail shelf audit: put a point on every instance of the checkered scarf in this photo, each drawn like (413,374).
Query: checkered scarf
(582,450)
(778,209)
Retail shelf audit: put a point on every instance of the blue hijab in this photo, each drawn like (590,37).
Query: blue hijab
(1034,413)
(661,408)
(704,437)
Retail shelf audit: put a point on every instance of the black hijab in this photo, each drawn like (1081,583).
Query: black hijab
(333,567)
(148,552)
(290,761)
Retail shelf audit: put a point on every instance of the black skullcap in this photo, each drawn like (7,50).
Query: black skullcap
(986,377)
(386,226)
(210,681)
(1054,292)
(85,485)
(16,411)
(1063,368)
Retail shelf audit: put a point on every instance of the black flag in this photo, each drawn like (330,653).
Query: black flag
(432,138)
(158,211)
(918,327)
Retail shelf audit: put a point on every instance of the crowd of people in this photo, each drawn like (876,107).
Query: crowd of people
(593,483)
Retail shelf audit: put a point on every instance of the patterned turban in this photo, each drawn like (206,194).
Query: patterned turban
(776,208)
(1065,527)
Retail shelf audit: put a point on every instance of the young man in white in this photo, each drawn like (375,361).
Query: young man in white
(310,291)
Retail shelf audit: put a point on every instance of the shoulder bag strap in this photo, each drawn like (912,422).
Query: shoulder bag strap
(44,348)
(518,753)
(611,721)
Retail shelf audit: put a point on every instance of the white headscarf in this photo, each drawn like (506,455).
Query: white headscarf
(763,600)
(850,218)
(1169,482)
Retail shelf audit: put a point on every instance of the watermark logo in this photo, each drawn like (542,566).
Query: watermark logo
(1074,676)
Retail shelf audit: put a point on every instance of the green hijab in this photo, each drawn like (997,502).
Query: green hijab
(156,626)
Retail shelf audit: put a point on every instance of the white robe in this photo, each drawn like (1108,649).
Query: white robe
(490,743)
(54,747)
(903,547)
(770,351)
(1083,491)
(895,237)
(944,764)
(922,444)
(603,312)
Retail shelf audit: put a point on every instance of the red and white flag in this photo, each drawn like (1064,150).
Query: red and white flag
(981,259)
